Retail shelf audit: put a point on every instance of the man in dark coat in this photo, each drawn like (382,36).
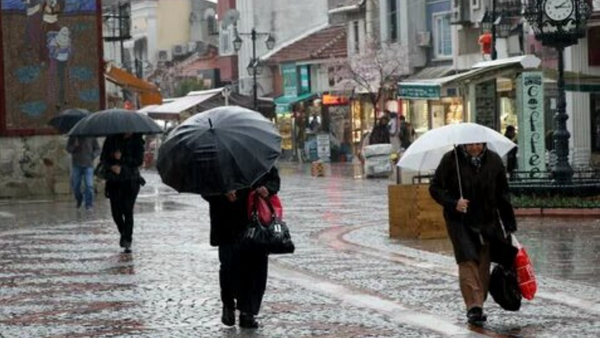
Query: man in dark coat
(474,217)
(243,273)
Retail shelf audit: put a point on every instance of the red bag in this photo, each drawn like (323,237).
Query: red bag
(266,209)
(525,275)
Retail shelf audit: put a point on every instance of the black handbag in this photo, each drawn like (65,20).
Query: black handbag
(101,171)
(504,288)
(274,238)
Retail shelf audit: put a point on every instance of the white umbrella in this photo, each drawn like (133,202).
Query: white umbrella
(426,152)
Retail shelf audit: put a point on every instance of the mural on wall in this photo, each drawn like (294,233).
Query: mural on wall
(51,61)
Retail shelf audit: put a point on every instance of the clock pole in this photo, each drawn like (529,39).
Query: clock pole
(559,24)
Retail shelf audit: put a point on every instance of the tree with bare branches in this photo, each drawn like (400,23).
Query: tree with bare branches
(375,69)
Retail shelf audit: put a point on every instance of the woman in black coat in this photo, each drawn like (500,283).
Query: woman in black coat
(474,220)
(243,273)
(122,155)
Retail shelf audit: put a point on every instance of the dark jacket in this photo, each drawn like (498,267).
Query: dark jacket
(132,157)
(228,220)
(83,150)
(486,188)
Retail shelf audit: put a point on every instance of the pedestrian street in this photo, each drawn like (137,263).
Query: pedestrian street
(64,275)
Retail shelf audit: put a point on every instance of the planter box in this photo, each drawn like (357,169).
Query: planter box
(414,214)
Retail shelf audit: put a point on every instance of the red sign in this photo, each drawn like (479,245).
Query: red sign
(332,100)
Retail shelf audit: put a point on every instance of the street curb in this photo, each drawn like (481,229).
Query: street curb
(557,212)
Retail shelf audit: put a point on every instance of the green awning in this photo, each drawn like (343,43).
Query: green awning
(283,104)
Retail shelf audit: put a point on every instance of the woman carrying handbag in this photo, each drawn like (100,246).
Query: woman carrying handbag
(243,272)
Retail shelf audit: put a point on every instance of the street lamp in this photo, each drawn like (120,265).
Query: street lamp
(498,21)
(254,66)
(559,24)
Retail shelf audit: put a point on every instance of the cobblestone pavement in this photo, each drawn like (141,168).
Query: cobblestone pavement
(62,273)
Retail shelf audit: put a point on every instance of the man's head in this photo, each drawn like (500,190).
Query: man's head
(402,118)
(474,149)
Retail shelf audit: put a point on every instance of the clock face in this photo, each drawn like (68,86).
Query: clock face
(558,10)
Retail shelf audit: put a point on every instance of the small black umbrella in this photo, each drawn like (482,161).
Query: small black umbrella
(67,119)
(220,150)
(115,121)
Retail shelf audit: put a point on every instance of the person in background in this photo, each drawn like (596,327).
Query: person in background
(380,133)
(243,272)
(511,157)
(405,133)
(122,155)
(470,184)
(83,151)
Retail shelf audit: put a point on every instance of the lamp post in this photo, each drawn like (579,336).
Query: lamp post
(559,24)
(498,21)
(254,67)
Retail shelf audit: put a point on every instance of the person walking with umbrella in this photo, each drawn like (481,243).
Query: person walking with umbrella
(243,272)
(122,155)
(471,185)
(83,151)
(223,154)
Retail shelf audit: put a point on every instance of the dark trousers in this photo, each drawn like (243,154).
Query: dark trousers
(122,197)
(243,277)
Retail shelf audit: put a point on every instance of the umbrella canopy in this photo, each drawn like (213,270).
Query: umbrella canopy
(426,152)
(220,150)
(115,121)
(67,119)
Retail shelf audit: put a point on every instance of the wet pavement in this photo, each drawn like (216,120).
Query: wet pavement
(62,273)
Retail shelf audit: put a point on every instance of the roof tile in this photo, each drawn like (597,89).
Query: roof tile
(327,43)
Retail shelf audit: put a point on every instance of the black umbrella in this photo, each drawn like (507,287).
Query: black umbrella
(67,119)
(115,121)
(220,150)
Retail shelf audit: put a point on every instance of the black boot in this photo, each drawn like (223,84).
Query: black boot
(228,316)
(475,316)
(248,321)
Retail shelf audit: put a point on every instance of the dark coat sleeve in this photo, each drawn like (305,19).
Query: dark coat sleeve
(440,187)
(503,203)
(270,180)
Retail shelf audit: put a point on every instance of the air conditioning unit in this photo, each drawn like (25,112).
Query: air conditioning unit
(191,46)
(424,39)
(461,12)
(163,56)
(179,50)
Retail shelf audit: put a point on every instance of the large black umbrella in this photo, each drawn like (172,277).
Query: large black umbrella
(115,121)
(220,150)
(67,119)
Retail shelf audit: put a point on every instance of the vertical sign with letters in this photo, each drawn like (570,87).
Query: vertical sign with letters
(530,103)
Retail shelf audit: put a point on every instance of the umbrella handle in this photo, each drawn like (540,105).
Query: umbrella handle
(458,172)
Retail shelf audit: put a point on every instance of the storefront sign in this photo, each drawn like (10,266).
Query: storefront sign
(304,79)
(530,102)
(290,79)
(333,100)
(485,104)
(419,91)
(282,108)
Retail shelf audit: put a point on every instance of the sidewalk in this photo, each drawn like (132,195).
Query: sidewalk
(62,273)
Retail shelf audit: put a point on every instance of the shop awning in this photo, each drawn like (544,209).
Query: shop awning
(172,109)
(431,89)
(576,82)
(149,92)
(283,104)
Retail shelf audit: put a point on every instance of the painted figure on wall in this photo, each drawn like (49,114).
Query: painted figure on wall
(33,29)
(50,11)
(60,50)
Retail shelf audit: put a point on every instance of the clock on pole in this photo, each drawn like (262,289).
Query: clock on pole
(558,10)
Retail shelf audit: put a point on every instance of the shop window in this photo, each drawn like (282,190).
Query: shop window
(442,35)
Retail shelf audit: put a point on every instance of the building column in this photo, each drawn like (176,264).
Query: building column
(578,108)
